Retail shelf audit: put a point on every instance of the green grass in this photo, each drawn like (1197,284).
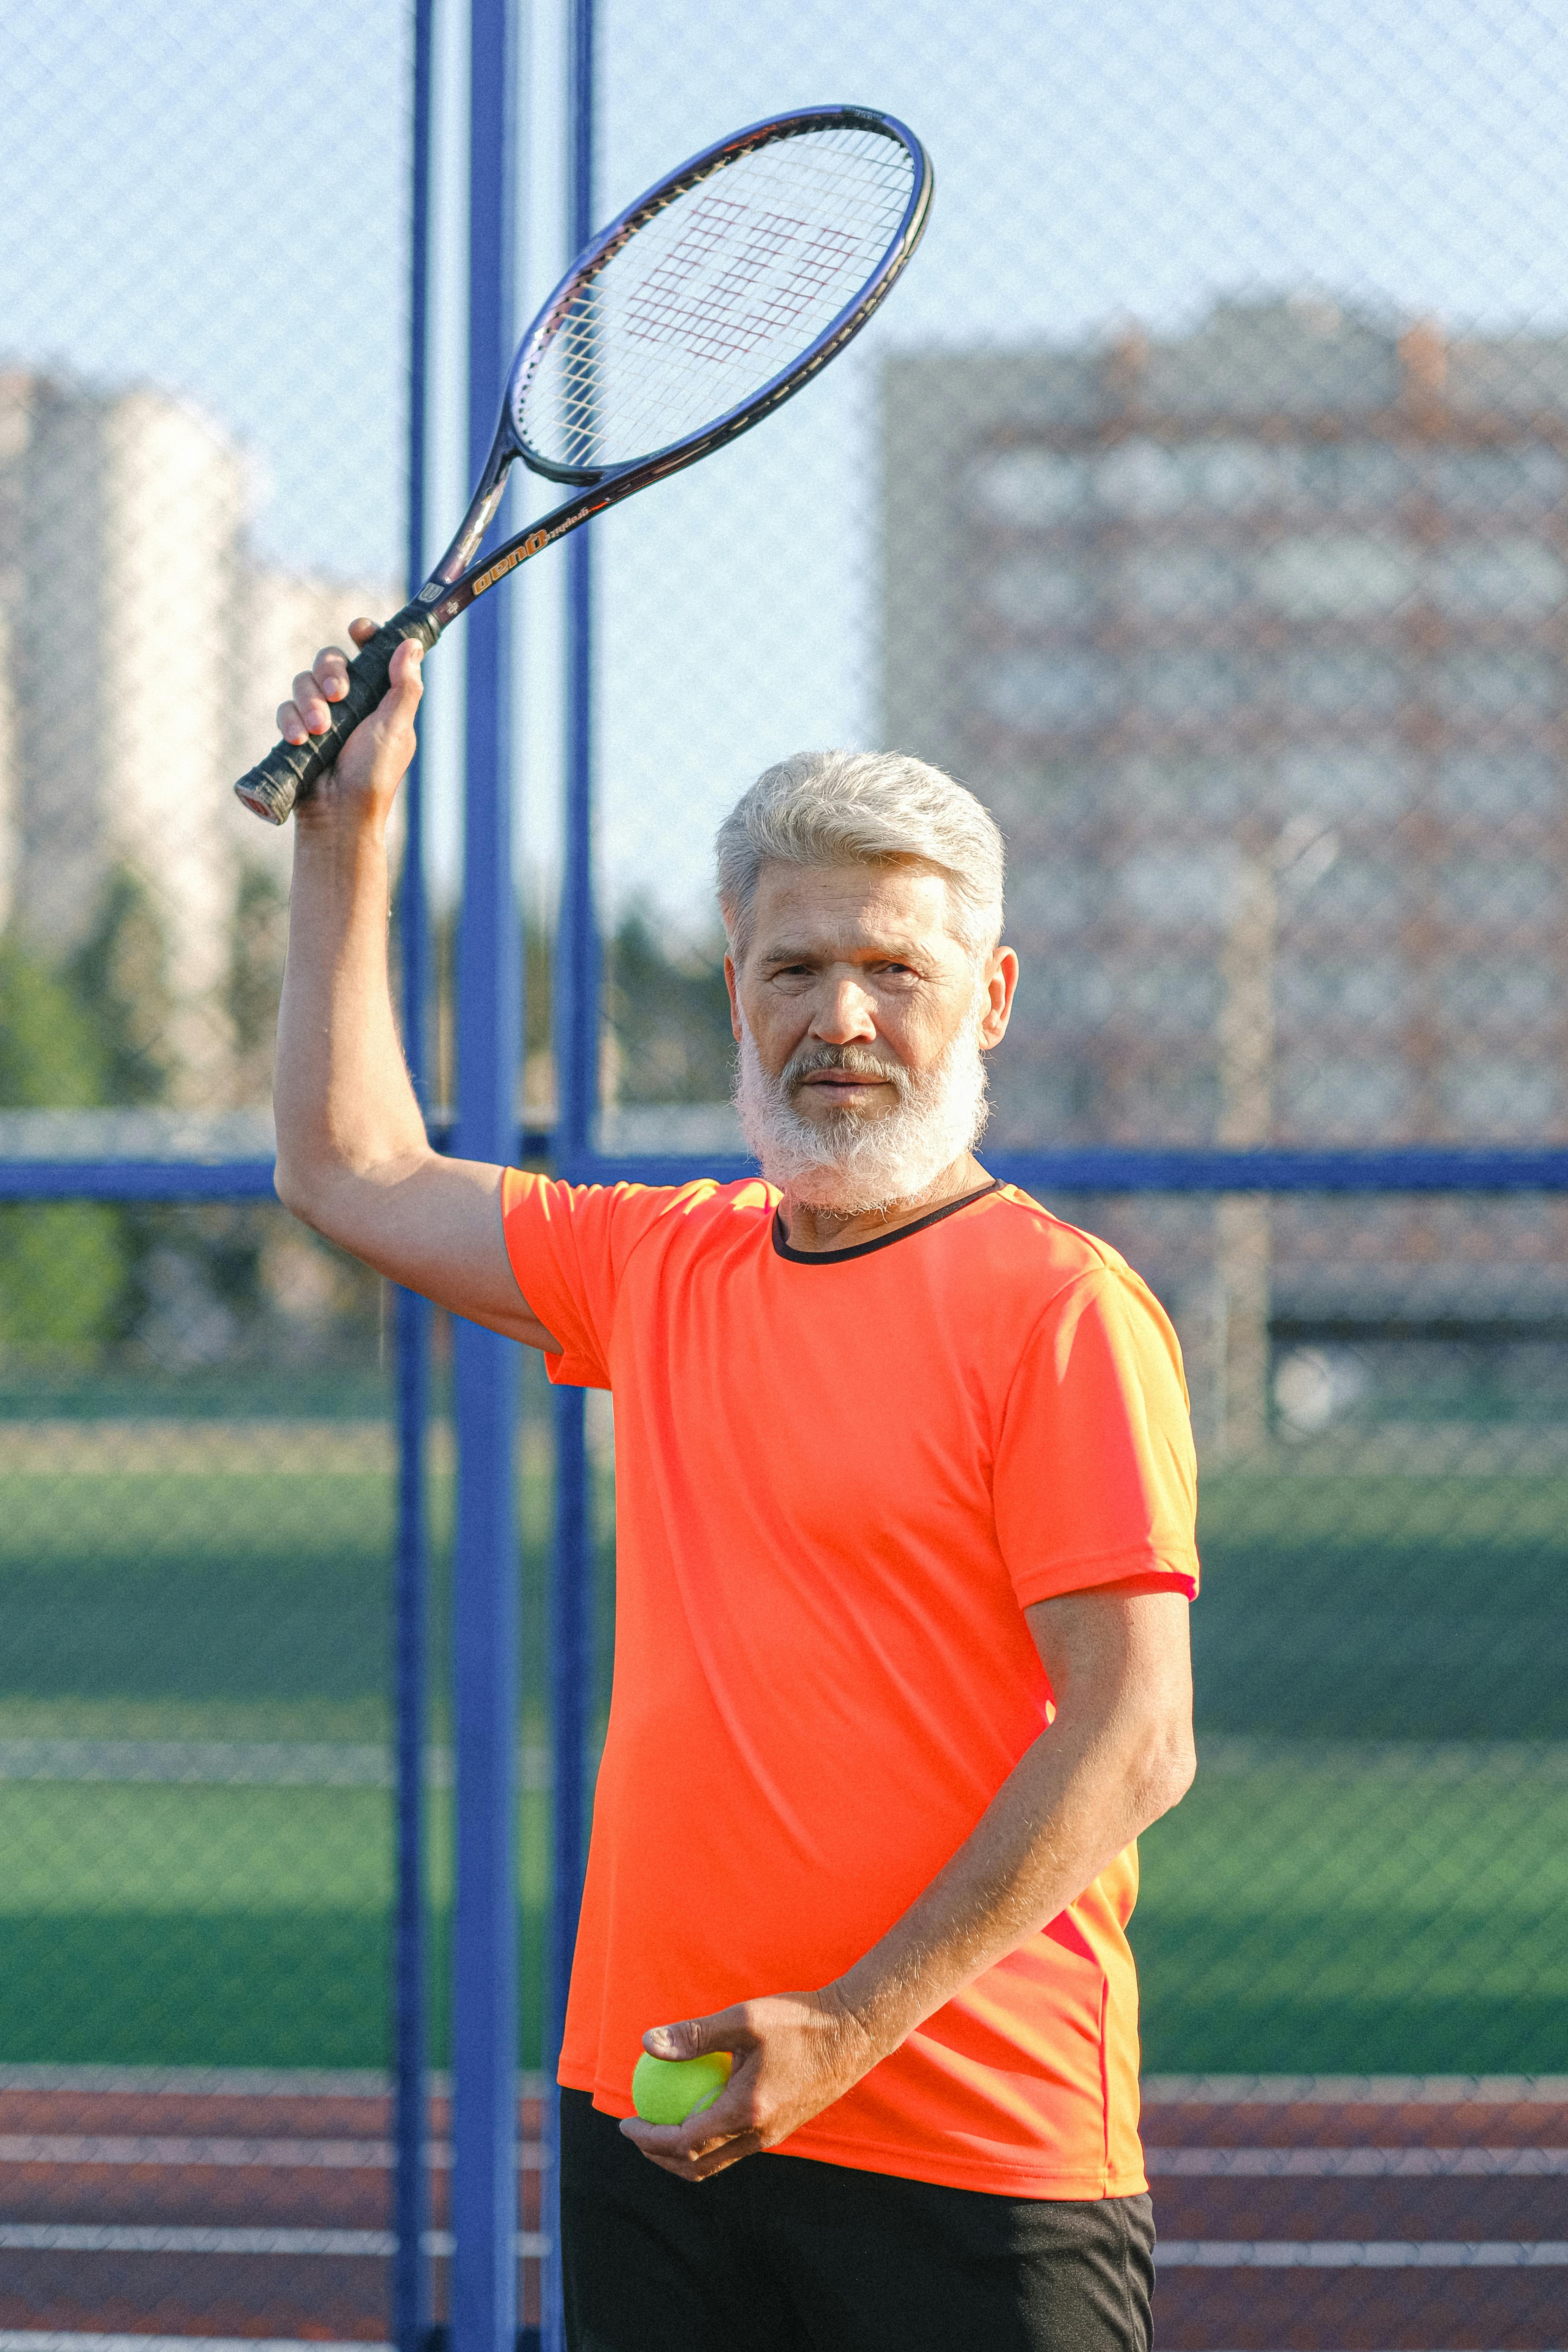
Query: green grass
(175,1926)
(219,1598)
(1299,1916)
(1312,1917)
(1384,1608)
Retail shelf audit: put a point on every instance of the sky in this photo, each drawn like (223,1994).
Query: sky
(212,196)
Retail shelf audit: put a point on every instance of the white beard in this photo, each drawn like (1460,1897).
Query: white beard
(851,1165)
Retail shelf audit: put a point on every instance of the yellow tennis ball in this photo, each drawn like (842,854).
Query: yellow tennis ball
(668,2090)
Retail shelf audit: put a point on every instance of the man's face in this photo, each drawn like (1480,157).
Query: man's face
(861,1007)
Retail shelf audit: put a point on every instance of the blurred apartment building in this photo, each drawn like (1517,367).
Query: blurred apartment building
(143,653)
(1253,639)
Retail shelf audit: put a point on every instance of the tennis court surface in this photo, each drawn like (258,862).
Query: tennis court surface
(1395,2214)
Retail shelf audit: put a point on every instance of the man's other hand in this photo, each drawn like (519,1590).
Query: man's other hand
(794,2054)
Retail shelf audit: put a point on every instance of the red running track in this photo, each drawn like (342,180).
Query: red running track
(1344,2217)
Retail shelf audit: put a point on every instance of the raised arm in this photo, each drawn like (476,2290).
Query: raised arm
(353,1159)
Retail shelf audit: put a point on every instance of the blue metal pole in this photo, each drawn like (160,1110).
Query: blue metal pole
(411,2196)
(575,1014)
(485,1367)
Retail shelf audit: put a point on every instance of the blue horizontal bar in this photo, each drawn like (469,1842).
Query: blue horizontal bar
(1109,1168)
(136,1179)
(1089,1168)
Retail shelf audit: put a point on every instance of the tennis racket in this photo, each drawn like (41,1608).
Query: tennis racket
(710,301)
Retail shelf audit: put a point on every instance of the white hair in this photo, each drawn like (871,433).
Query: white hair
(863,808)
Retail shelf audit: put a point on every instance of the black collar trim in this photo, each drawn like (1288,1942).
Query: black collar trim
(884,1241)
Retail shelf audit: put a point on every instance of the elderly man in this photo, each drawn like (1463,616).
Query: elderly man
(905,1498)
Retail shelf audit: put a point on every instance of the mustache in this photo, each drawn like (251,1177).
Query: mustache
(854,1061)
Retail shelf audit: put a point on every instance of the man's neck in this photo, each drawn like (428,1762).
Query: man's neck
(814,1229)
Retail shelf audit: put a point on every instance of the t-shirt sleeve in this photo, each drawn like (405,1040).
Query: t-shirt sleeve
(1096,1480)
(569,1245)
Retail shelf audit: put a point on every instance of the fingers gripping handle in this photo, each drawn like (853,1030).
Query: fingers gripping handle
(289,770)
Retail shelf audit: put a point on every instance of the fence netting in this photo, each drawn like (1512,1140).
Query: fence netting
(1201,499)
(202,405)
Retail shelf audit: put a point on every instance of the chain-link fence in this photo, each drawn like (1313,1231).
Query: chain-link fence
(202,393)
(1201,498)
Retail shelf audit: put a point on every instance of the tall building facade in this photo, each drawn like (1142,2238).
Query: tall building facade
(1185,612)
(143,651)
(1253,639)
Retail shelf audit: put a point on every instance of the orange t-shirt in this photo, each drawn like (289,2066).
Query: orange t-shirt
(839,1480)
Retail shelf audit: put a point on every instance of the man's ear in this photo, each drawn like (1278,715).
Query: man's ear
(1001,984)
(734,999)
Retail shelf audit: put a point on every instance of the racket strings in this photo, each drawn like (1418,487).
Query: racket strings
(713,295)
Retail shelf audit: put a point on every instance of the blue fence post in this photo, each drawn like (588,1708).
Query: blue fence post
(485,1367)
(411,2198)
(576,1018)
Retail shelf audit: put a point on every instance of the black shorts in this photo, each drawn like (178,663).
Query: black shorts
(782,2253)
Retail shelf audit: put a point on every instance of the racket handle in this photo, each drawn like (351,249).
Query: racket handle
(289,771)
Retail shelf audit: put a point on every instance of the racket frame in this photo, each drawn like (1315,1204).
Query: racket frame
(464,574)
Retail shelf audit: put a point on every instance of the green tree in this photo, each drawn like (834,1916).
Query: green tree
(121,977)
(669,1014)
(258,943)
(62,1264)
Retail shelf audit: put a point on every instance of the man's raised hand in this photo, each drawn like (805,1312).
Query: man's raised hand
(373,761)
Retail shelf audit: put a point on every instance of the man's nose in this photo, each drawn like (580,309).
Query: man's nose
(844,1013)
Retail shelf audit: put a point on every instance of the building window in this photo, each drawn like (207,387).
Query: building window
(1499,785)
(1063,992)
(1486,1094)
(1512,577)
(1345,1100)
(1352,473)
(1496,991)
(1361,890)
(1493,481)
(1169,995)
(1331,782)
(1496,893)
(1051,895)
(1183,582)
(1187,683)
(1181,887)
(1031,488)
(1335,576)
(1342,684)
(1496,685)
(1046,691)
(1035,592)
(1311,991)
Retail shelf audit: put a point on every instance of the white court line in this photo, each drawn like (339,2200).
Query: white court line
(37,2339)
(93,2238)
(234,1763)
(1352,2090)
(1159,2090)
(282,2155)
(22,2339)
(1349,2254)
(1353,2163)
(229,2082)
(1164,2163)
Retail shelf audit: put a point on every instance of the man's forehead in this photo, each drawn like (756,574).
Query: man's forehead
(893,907)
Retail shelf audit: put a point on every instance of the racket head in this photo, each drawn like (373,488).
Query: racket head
(722,289)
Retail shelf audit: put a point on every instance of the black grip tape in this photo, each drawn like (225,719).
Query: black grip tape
(289,771)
